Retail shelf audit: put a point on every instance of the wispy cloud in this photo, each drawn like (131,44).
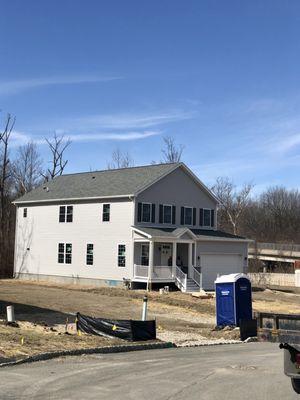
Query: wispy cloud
(285,143)
(127,120)
(19,138)
(17,86)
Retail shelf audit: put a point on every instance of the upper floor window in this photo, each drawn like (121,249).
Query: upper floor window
(24,212)
(167,214)
(188,216)
(89,254)
(66,214)
(207,217)
(106,213)
(121,255)
(65,253)
(146,212)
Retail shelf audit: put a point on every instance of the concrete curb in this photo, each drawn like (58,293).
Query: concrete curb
(95,350)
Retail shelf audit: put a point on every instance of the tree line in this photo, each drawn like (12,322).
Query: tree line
(273,216)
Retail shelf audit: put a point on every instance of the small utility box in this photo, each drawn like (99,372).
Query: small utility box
(233,299)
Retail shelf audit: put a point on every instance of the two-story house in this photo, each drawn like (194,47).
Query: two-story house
(155,223)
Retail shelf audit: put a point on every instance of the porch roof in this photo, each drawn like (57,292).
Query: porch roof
(196,234)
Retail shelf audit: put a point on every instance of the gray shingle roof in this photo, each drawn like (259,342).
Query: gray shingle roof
(114,182)
(200,233)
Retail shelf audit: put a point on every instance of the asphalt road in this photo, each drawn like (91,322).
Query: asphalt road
(236,372)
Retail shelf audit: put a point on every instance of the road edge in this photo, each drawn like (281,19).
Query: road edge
(94,350)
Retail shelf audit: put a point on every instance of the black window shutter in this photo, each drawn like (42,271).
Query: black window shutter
(161,213)
(153,214)
(194,216)
(201,217)
(139,218)
(173,215)
(182,216)
(212,218)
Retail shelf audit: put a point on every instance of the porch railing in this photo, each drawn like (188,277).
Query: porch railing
(159,272)
(181,278)
(197,277)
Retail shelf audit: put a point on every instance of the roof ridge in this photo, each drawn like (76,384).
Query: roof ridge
(120,169)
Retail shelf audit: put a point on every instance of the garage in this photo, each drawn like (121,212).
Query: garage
(213,264)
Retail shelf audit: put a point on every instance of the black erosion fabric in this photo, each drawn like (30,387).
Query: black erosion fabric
(123,329)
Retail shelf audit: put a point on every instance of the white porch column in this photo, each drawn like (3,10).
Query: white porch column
(190,259)
(150,268)
(174,258)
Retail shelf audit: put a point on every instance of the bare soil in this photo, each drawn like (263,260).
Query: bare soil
(44,309)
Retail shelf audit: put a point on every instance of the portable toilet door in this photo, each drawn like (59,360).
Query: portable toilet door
(243,296)
(225,305)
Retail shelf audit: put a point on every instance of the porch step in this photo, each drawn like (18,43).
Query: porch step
(191,286)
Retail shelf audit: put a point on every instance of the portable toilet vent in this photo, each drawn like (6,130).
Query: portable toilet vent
(233,299)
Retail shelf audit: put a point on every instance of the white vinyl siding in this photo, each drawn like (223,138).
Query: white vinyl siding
(40,233)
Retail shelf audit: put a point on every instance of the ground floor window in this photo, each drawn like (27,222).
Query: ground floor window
(145,254)
(121,255)
(89,254)
(64,253)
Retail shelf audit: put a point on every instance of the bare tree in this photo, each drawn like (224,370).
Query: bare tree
(57,146)
(6,209)
(120,160)
(5,163)
(27,168)
(172,152)
(233,202)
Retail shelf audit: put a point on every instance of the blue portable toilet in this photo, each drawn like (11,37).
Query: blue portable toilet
(233,299)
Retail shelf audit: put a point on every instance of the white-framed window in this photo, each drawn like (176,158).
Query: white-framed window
(188,215)
(89,254)
(206,217)
(66,214)
(121,255)
(64,253)
(106,213)
(25,212)
(146,212)
(145,254)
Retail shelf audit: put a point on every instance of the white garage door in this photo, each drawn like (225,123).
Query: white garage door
(214,264)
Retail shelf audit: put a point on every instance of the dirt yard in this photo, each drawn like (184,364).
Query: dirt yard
(44,312)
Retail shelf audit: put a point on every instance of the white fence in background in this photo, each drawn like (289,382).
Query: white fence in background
(273,279)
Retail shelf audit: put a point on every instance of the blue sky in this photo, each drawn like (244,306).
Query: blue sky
(222,77)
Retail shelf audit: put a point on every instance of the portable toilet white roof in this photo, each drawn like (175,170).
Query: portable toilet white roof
(230,278)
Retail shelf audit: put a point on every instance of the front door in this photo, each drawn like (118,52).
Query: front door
(165,254)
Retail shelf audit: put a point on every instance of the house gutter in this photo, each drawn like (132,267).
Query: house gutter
(130,196)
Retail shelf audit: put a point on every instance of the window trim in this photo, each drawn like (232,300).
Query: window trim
(64,253)
(106,204)
(86,255)
(191,208)
(207,226)
(171,206)
(150,219)
(118,255)
(66,214)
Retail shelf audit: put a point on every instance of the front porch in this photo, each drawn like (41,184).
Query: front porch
(166,261)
